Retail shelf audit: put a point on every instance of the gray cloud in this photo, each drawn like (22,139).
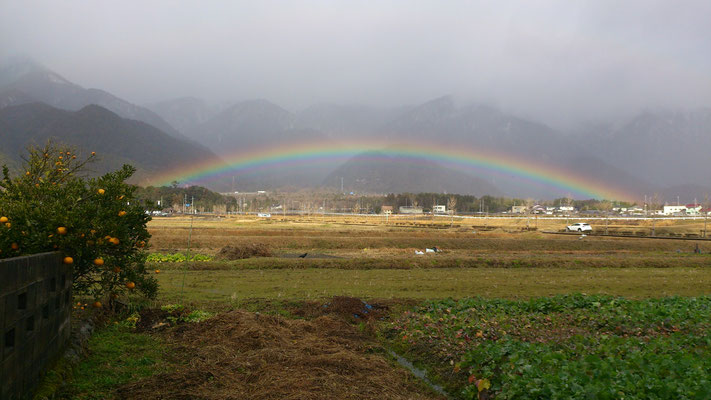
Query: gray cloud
(558,61)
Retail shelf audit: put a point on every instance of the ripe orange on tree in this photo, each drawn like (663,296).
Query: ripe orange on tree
(97,304)
(130,285)
(33,202)
(68,260)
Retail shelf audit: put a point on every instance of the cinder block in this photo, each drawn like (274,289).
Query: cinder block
(9,369)
(33,270)
(9,271)
(2,329)
(11,313)
(40,327)
(42,292)
(23,271)
(9,340)
(29,327)
(44,334)
(32,296)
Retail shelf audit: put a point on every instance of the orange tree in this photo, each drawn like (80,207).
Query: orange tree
(96,223)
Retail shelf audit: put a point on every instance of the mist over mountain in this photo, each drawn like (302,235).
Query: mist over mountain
(186,113)
(116,140)
(24,81)
(657,151)
(380,173)
(347,121)
(667,147)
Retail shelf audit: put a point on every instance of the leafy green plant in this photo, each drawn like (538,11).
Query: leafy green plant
(177,257)
(95,223)
(572,346)
(197,316)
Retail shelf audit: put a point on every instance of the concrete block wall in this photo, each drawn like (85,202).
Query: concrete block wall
(35,305)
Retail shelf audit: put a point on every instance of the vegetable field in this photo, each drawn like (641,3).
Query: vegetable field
(561,347)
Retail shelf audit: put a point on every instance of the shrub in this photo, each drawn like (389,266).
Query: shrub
(95,223)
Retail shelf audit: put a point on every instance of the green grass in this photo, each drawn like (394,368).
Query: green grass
(233,286)
(564,347)
(511,260)
(116,356)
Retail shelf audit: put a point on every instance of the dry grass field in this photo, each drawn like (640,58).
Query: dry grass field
(365,257)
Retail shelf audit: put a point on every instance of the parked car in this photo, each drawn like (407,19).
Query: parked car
(579,227)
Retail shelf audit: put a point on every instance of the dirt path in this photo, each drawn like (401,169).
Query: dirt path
(244,355)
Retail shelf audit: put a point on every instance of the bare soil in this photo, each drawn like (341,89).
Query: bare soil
(244,355)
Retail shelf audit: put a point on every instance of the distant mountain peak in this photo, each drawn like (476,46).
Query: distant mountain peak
(17,67)
(38,83)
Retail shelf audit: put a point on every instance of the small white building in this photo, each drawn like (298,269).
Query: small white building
(410,210)
(673,210)
(635,210)
(439,209)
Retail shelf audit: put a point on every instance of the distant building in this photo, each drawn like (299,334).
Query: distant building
(674,210)
(538,209)
(439,209)
(566,209)
(635,210)
(410,210)
(693,209)
(386,209)
(518,209)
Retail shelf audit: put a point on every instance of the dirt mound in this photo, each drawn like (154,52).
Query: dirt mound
(352,307)
(241,355)
(249,250)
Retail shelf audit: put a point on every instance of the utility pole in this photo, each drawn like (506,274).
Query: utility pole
(706,213)
(192,203)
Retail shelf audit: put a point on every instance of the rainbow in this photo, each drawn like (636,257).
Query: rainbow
(288,155)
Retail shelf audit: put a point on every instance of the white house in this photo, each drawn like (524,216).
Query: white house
(673,210)
(439,209)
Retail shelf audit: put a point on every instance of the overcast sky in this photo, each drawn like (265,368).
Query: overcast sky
(557,61)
